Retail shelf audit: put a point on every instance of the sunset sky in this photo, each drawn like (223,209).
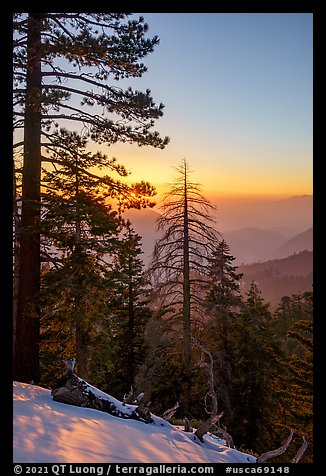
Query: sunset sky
(237,89)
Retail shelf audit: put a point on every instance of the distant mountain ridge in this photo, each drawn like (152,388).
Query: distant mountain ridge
(302,241)
(249,245)
(260,228)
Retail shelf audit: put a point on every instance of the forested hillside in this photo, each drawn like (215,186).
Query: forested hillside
(280,277)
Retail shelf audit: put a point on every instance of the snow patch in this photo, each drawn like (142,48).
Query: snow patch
(45,431)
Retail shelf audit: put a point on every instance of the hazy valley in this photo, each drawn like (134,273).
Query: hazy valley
(254,230)
(274,247)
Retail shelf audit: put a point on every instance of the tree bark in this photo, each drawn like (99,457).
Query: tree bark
(186,304)
(300,451)
(206,426)
(26,355)
(81,342)
(272,454)
(131,330)
(16,260)
(168,414)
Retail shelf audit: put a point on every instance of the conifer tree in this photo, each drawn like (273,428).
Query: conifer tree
(296,393)
(129,308)
(290,310)
(257,363)
(79,231)
(63,63)
(222,302)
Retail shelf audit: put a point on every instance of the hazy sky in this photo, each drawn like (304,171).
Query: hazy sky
(237,89)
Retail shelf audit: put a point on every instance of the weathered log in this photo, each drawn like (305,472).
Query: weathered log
(72,390)
(300,451)
(129,397)
(226,436)
(207,425)
(168,414)
(272,454)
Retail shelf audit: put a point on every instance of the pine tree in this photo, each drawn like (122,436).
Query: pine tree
(75,318)
(257,363)
(290,310)
(222,303)
(58,58)
(129,308)
(80,227)
(296,392)
(224,281)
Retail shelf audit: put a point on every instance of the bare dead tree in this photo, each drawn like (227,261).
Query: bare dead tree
(143,408)
(214,416)
(179,263)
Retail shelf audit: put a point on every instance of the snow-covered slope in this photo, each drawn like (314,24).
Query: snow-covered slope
(46,431)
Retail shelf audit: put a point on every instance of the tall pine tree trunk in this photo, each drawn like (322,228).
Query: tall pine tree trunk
(131,330)
(16,259)
(186,303)
(82,342)
(82,339)
(26,355)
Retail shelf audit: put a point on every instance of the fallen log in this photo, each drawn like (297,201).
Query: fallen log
(73,390)
(300,451)
(168,414)
(272,454)
(206,426)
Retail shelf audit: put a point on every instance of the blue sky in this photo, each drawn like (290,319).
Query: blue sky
(237,89)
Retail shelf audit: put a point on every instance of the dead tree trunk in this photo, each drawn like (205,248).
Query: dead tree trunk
(300,451)
(214,417)
(272,454)
(168,414)
(207,425)
(226,436)
(186,308)
(73,390)
(16,224)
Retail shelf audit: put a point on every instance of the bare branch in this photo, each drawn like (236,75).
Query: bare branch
(272,454)
(168,414)
(300,451)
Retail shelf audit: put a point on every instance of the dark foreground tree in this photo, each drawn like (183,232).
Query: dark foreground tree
(62,66)
(257,366)
(222,303)
(180,259)
(129,308)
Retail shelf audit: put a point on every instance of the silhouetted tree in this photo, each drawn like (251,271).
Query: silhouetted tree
(129,308)
(181,256)
(257,364)
(222,303)
(60,58)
